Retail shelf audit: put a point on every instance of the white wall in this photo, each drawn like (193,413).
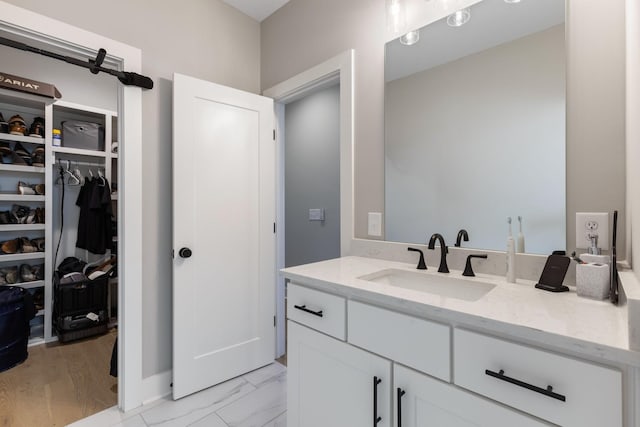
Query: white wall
(75,84)
(476,140)
(203,38)
(306,32)
(633,128)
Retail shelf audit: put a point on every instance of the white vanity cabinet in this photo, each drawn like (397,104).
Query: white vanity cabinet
(331,383)
(557,388)
(421,401)
(432,373)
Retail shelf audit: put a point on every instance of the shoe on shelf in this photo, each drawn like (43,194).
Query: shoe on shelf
(38,243)
(39,215)
(4,126)
(39,188)
(26,273)
(38,270)
(38,298)
(20,213)
(10,274)
(28,246)
(6,217)
(26,189)
(5,148)
(17,125)
(11,246)
(37,127)
(22,152)
(37,157)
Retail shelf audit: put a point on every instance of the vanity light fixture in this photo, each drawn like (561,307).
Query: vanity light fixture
(410,38)
(459,18)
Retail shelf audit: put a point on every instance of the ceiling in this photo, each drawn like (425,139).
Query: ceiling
(493,22)
(257,9)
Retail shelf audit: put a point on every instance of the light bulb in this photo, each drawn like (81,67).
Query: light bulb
(410,38)
(459,17)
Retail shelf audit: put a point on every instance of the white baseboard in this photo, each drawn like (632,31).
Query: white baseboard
(156,386)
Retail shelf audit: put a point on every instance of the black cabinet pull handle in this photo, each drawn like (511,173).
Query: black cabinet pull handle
(306,310)
(546,391)
(376,418)
(401,393)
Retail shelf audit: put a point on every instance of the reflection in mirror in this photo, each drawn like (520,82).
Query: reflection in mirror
(475,128)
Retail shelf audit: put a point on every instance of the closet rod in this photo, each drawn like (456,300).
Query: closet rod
(73,163)
(93,65)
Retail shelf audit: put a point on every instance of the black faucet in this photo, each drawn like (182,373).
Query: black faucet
(443,252)
(468,270)
(461,234)
(421,263)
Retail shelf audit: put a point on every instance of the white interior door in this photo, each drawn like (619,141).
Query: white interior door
(224,213)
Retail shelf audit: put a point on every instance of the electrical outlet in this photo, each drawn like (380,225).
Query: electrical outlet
(592,224)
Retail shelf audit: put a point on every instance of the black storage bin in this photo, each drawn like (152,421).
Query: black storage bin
(16,310)
(80,308)
(85,135)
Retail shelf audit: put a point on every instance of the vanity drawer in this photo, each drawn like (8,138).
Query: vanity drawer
(582,394)
(414,342)
(318,310)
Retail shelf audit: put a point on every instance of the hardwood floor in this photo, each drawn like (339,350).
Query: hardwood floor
(59,384)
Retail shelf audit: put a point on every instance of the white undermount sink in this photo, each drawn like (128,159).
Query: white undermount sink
(441,284)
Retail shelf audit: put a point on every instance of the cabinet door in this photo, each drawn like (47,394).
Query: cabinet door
(331,383)
(426,402)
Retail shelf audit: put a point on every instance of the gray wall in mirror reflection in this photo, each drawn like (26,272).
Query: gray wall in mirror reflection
(478,139)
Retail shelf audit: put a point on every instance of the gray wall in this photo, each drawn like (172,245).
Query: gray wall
(306,32)
(478,139)
(203,38)
(312,177)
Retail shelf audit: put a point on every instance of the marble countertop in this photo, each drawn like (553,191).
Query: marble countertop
(561,321)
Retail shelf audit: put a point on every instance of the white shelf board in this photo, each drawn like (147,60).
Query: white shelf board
(79,151)
(22,257)
(21,138)
(21,169)
(40,313)
(21,227)
(4,197)
(28,285)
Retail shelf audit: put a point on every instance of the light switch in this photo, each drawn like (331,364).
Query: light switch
(375,224)
(316,214)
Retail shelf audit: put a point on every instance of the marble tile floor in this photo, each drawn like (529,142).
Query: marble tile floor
(256,399)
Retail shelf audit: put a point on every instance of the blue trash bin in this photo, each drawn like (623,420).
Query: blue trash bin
(16,310)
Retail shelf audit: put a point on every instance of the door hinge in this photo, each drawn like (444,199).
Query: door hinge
(274,321)
(274,134)
(274,227)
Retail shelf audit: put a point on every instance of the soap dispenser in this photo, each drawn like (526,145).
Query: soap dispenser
(511,256)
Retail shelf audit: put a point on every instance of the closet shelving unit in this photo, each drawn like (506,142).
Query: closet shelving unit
(54,112)
(29,107)
(107,160)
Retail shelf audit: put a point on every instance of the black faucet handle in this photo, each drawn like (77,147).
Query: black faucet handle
(468,270)
(421,264)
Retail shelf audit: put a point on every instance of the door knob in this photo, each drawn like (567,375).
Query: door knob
(185,253)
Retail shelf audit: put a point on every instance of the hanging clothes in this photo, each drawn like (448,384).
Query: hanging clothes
(95,231)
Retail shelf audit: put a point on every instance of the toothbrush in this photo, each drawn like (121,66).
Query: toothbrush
(520,240)
(511,255)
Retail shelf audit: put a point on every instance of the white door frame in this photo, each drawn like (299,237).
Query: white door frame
(338,69)
(72,40)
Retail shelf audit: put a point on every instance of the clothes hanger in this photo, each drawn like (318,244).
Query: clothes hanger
(78,174)
(102,178)
(71,178)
